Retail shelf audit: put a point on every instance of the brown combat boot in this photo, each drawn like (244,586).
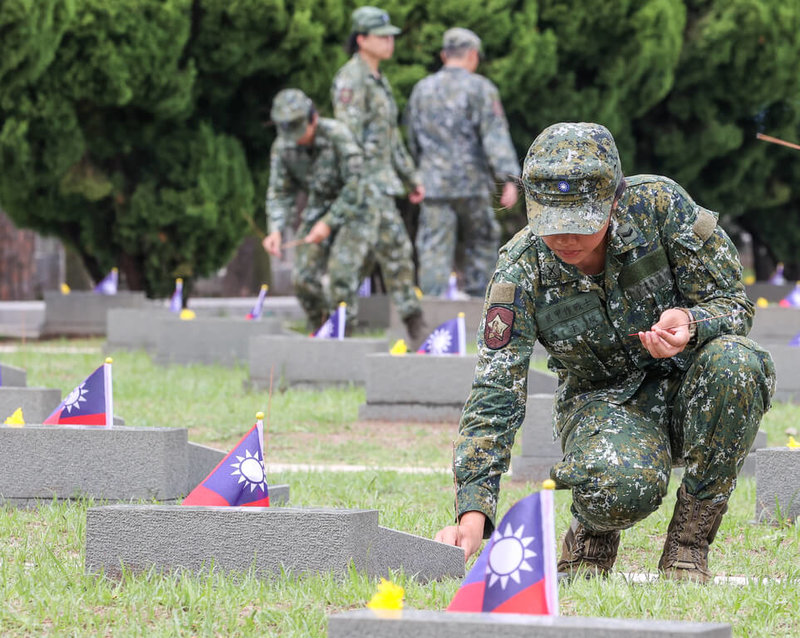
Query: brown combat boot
(417,330)
(692,529)
(587,553)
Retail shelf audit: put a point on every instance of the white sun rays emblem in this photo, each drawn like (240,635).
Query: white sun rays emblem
(508,556)
(326,330)
(250,470)
(75,398)
(440,341)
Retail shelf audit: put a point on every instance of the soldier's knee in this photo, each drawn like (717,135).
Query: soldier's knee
(618,500)
(731,358)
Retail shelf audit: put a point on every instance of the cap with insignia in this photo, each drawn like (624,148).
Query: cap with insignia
(459,38)
(570,176)
(290,111)
(373,21)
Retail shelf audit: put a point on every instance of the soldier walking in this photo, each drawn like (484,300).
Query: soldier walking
(458,134)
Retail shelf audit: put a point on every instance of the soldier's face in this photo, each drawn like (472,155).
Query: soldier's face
(380,47)
(586,252)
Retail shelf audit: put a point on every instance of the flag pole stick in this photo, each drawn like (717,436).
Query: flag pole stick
(455,494)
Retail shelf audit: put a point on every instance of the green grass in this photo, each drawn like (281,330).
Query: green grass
(44,591)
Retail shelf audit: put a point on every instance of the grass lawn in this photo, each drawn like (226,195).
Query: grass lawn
(43,590)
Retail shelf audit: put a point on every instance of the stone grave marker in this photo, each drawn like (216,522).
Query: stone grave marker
(37,403)
(12,377)
(777,484)
(83,313)
(268,540)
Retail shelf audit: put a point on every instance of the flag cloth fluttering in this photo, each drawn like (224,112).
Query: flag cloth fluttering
(516,572)
(333,328)
(792,300)
(258,308)
(795,342)
(365,289)
(777,278)
(176,300)
(91,403)
(108,285)
(448,338)
(240,478)
(452,287)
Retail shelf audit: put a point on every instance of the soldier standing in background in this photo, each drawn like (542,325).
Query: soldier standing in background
(458,134)
(636,293)
(362,99)
(320,157)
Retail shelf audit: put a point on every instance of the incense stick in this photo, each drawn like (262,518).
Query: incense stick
(689,323)
(777,140)
(293,243)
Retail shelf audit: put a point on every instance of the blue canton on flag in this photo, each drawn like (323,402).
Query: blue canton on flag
(108,285)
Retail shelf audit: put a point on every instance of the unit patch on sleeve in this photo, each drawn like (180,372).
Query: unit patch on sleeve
(497,329)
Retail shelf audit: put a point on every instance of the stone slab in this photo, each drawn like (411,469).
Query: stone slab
(374,312)
(21,319)
(538,450)
(37,403)
(134,328)
(437,311)
(266,540)
(775,326)
(364,623)
(285,307)
(305,362)
(83,313)
(12,377)
(426,387)
(770,292)
(210,340)
(117,463)
(777,484)
(787,372)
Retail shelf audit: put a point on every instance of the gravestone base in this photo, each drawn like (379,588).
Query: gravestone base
(134,328)
(787,370)
(13,377)
(83,313)
(296,361)
(374,312)
(210,340)
(37,403)
(436,311)
(267,540)
(365,623)
(539,451)
(777,484)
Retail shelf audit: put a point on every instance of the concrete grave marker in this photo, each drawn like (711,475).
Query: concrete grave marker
(37,403)
(436,311)
(364,623)
(300,361)
(426,387)
(787,372)
(12,377)
(236,539)
(83,313)
(777,484)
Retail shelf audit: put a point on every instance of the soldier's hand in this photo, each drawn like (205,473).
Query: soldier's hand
(509,195)
(272,243)
(417,195)
(319,232)
(668,336)
(468,534)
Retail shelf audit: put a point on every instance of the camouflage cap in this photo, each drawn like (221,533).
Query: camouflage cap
(373,21)
(458,38)
(570,176)
(290,111)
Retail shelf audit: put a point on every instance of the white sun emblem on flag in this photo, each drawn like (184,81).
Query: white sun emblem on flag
(250,470)
(440,341)
(508,556)
(75,398)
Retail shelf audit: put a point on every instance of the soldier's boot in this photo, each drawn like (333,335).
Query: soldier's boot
(692,529)
(417,330)
(587,553)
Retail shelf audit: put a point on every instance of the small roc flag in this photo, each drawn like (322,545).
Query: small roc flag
(516,571)
(91,403)
(108,284)
(255,313)
(448,338)
(239,478)
(333,328)
(176,300)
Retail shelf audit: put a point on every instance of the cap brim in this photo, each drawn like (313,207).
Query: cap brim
(386,29)
(294,132)
(577,218)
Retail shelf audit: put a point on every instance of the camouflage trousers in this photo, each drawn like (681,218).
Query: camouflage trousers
(378,234)
(310,264)
(441,223)
(618,457)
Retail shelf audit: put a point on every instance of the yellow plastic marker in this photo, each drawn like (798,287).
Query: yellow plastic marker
(548,484)
(187,315)
(65,289)
(387,602)
(16,420)
(761,302)
(793,444)
(399,347)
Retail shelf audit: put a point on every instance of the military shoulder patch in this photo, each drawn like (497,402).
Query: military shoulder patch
(345,95)
(497,107)
(502,293)
(497,329)
(705,224)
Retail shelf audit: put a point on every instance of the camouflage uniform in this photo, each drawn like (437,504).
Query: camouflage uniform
(328,170)
(365,103)
(624,417)
(458,133)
